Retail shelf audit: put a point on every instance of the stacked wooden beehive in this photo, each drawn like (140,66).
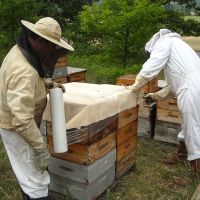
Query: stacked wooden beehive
(88,168)
(98,154)
(146,114)
(168,121)
(64,74)
(126,140)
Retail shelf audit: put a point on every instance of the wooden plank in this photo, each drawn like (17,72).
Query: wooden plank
(127,116)
(85,154)
(126,132)
(126,148)
(167,131)
(125,164)
(169,116)
(168,104)
(130,79)
(101,129)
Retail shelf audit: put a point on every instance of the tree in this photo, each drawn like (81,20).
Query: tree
(121,27)
(11,14)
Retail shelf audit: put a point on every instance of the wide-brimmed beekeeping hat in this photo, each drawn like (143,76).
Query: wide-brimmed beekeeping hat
(49,29)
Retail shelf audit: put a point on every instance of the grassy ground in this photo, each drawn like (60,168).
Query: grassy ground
(150,179)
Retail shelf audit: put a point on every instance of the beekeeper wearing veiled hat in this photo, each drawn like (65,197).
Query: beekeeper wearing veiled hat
(23,99)
(181,67)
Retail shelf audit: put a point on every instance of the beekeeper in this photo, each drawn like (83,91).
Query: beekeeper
(181,67)
(23,99)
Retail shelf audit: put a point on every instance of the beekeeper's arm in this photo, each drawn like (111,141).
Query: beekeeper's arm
(140,82)
(161,95)
(20,97)
(153,66)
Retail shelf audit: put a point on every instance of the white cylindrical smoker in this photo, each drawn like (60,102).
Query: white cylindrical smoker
(58,120)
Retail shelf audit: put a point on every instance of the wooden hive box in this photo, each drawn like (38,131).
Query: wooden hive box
(91,143)
(130,79)
(81,191)
(169,120)
(85,154)
(89,134)
(126,140)
(167,131)
(65,74)
(168,111)
(61,62)
(82,182)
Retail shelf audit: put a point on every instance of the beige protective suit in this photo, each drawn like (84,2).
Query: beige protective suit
(22,101)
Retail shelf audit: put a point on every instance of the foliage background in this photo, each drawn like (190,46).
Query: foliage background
(112,33)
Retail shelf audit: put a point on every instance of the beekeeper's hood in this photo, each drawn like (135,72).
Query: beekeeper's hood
(157,36)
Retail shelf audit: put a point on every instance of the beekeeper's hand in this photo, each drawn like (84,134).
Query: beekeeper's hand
(59,85)
(140,82)
(49,84)
(161,95)
(44,158)
(149,98)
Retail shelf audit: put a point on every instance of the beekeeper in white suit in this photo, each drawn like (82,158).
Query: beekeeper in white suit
(181,67)
(23,99)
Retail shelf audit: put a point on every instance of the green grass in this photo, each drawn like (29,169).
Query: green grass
(99,69)
(9,188)
(149,180)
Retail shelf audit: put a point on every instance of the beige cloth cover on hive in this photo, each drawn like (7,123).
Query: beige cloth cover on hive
(87,103)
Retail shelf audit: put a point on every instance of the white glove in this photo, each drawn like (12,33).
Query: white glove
(140,82)
(161,95)
(51,84)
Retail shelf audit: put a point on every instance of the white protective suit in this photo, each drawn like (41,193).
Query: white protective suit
(182,72)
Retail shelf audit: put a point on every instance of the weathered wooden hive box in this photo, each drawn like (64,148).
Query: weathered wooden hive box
(67,74)
(168,121)
(102,137)
(61,62)
(146,113)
